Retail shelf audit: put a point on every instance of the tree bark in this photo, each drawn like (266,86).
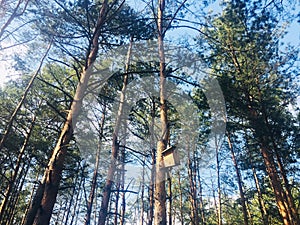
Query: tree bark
(160,217)
(276,185)
(45,198)
(288,194)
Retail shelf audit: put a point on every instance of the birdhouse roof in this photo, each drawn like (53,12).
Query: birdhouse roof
(168,150)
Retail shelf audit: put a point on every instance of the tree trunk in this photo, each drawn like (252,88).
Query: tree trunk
(16,170)
(115,146)
(276,185)
(219,185)
(193,189)
(170,199)
(160,217)
(30,199)
(239,181)
(117,194)
(289,198)
(21,102)
(17,12)
(13,201)
(283,197)
(123,204)
(95,174)
(70,203)
(181,218)
(143,193)
(45,198)
(153,162)
(262,206)
(78,199)
(214,199)
(201,204)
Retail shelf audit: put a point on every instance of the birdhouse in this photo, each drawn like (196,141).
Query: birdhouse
(170,157)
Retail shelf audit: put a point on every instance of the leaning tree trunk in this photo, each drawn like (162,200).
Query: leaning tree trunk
(115,146)
(239,181)
(288,194)
(95,174)
(45,198)
(23,98)
(15,173)
(261,202)
(284,203)
(276,186)
(287,189)
(17,12)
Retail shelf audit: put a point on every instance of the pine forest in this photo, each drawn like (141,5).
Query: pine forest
(149,112)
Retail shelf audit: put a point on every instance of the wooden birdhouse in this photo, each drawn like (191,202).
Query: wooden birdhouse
(171,157)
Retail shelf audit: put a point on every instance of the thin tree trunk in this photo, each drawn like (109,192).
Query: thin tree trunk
(13,202)
(153,162)
(219,185)
(261,202)
(239,181)
(78,199)
(117,197)
(95,174)
(170,199)
(45,198)
(201,204)
(16,13)
(143,193)
(30,199)
(214,199)
(68,210)
(115,145)
(123,205)
(16,170)
(193,191)
(180,200)
(23,98)
(160,217)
